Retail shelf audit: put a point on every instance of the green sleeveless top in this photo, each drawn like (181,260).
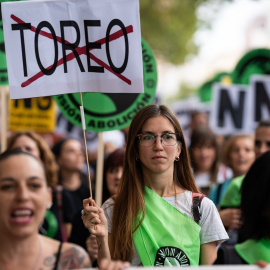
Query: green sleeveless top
(232,197)
(166,237)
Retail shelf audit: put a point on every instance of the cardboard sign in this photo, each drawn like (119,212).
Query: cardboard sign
(69,46)
(32,114)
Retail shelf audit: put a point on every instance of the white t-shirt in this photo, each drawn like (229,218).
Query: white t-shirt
(212,228)
(204,179)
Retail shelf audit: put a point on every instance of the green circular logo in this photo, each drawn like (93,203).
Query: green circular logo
(254,62)
(103,111)
(205,90)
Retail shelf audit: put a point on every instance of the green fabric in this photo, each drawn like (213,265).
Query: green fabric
(166,237)
(52,224)
(252,251)
(232,197)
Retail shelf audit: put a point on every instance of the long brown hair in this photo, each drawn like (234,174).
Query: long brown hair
(130,200)
(46,155)
(204,136)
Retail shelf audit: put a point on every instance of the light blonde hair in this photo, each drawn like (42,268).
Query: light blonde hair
(227,149)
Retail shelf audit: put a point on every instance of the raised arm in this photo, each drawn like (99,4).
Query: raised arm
(95,221)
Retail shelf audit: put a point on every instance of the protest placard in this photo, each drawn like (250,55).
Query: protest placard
(239,108)
(69,46)
(36,114)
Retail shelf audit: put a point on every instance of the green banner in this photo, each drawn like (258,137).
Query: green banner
(256,61)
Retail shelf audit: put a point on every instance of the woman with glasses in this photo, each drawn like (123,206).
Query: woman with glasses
(151,222)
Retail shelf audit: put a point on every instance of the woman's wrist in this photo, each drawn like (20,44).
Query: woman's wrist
(101,240)
(103,247)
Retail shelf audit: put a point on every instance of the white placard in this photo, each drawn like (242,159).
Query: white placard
(231,109)
(69,46)
(260,97)
(239,108)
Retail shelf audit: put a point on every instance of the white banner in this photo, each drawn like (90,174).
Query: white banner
(239,108)
(230,108)
(69,46)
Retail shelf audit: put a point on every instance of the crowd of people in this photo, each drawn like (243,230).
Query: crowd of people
(165,202)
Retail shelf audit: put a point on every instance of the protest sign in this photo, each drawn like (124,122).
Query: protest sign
(37,114)
(104,112)
(69,46)
(239,108)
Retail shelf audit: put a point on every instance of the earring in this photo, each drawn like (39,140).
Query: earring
(49,205)
(176,159)
(137,159)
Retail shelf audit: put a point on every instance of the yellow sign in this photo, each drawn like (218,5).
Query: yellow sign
(37,114)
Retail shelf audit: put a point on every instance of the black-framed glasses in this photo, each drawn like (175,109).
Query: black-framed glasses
(167,139)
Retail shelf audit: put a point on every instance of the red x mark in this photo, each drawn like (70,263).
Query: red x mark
(80,50)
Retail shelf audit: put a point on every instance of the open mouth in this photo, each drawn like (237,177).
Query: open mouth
(21,216)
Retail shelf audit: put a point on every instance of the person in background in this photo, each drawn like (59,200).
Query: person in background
(232,196)
(238,155)
(262,137)
(205,162)
(125,132)
(70,158)
(24,197)
(198,119)
(112,172)
(33,143)
(153,207)
(57,219)
(255,207)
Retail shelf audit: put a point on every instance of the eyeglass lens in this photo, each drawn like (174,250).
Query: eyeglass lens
(168,139)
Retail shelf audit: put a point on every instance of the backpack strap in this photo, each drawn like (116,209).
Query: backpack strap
(219,187)
(59,191)
(196,203)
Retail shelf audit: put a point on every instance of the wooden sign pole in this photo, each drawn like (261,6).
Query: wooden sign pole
(4,116)
(99,174)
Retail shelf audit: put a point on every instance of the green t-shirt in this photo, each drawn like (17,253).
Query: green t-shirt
(252,251)
(232,197)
